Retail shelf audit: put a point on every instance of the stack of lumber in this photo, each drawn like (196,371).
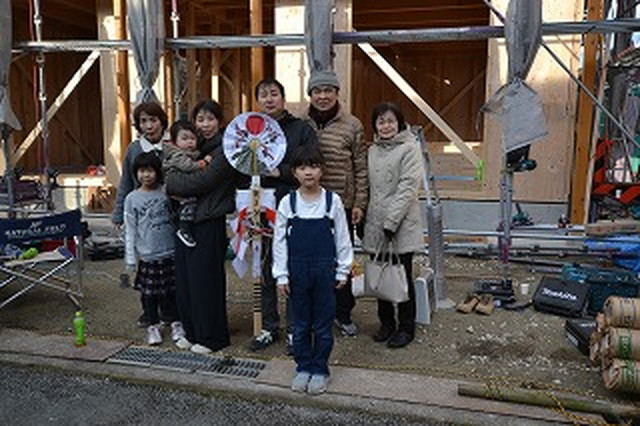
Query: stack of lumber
(615,345)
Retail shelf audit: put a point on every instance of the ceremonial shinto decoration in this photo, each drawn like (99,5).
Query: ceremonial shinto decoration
(254,144)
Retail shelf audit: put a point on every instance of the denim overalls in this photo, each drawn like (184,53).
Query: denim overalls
(312,280)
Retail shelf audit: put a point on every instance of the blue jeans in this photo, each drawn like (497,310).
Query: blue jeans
(314,307)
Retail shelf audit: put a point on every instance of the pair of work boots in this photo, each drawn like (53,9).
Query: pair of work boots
(480,303)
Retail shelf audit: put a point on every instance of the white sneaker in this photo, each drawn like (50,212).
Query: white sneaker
(154,337)
(184,344)
(200,349)
(318,384)
(300,381)
(177,331)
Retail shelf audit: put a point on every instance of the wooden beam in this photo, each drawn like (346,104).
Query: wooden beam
(216,63)
(192,94)
(257,53)
(343,60)
(467,88)
(168,85)
(122,77)
(204,88)
(55,106)
(579,198)
(418,101)
(237,82)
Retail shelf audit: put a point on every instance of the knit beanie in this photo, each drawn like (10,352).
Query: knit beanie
(322,78)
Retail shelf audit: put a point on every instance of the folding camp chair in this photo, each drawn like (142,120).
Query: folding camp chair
(46,267)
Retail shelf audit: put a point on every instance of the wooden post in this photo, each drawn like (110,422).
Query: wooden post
(114,89)
(579,179)
(236,80)
(344,52)
(205,74)
(168,86)
(216,63)
(290,61)
(192,94)
(257,53)
(122,77)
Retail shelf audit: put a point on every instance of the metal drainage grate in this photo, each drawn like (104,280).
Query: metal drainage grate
(234,367)
(134,355)
(188,362)
(184,361)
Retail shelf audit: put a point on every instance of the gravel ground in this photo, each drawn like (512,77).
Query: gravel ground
(518,348)
(63,399)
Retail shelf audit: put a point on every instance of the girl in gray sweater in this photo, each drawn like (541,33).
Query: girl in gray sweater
(149,245)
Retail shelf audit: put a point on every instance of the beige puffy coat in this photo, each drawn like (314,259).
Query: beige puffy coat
(395,176)
(345,156)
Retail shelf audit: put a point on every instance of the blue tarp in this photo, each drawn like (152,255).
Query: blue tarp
(627,245)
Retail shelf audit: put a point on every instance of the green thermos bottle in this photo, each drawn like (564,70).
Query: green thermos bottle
(78,328)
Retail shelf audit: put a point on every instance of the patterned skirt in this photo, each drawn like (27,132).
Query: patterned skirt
(156,278)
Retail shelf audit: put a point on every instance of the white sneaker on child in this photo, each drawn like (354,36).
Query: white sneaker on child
(300,381)
(177,331)
(318,384)
(154,337)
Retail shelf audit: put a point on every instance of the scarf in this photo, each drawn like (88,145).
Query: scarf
(323,117)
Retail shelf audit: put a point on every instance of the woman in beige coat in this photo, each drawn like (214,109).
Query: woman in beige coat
(395,175)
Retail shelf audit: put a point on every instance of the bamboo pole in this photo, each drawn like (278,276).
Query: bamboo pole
(548,399)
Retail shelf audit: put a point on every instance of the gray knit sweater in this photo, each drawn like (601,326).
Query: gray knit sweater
(148,227)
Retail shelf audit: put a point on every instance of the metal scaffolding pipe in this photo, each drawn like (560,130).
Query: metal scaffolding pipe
(527,236)
(580,84)
(373,37)
(175,20)
(42,98)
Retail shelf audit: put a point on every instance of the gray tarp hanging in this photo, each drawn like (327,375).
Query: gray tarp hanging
(146,26)
(318,34)
(7,116)
(516,105)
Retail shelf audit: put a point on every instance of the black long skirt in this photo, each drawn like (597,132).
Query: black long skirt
(201,285)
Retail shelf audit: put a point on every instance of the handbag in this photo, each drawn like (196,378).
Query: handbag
(386,277)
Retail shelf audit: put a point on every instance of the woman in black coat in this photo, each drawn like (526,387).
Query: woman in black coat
(200,273)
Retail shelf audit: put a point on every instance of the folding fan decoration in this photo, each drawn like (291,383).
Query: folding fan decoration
(254,144)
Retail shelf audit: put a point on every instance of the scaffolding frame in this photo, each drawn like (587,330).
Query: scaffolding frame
(344,37)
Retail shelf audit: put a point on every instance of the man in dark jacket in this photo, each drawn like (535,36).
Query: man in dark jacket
(269,95)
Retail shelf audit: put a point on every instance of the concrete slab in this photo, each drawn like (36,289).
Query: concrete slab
(386,385)
(28,342)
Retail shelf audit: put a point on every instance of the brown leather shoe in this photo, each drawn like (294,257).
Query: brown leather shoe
(469,304)
(485,306)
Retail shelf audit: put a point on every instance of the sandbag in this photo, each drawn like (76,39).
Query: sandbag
(622,312)
(623,343)
(622,375)
(594,349)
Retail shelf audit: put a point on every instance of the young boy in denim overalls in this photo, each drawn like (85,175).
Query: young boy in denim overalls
(312,256)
